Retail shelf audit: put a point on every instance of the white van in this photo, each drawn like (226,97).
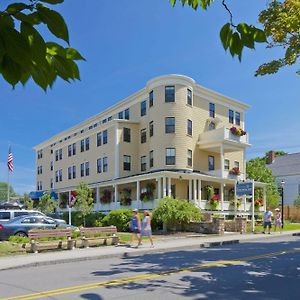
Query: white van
(8,214)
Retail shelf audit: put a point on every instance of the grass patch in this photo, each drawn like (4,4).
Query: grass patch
(7,248)
(287,227)
(125,237)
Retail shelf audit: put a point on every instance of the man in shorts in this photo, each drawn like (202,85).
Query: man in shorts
(268,220)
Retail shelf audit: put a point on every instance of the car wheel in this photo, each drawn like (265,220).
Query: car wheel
(21,234)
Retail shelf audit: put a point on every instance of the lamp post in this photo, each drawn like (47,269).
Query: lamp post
(282,183)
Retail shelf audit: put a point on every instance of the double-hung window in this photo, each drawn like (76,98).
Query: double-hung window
(143,108)
(69,172)
(189,127)
(211,163)
(151,132)
(105,137)
(189,158)
(151,99)
(127,114)
(120,115)
(74,172)
(126,162)
(169,125)
(189,97)
(99,139)
(82,146)
(105,164)
(237,118)
(99,165)
(170,94)
(226,164)
(82,169)
(126,135)
(87,144)
(87,168)
(230,116)
(143,163)
(212,110)
(151,159)
(143,136)
(170,156)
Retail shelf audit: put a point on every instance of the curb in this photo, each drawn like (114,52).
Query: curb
(119,255)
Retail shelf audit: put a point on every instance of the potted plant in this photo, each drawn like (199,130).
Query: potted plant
(214,201)
(237,131)
(235,171)
(105,197)
(238,203)
(209,191)
(126,196)
(148,194)
(258,203)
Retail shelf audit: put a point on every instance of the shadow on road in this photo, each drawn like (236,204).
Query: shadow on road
(91,296)
(273,277)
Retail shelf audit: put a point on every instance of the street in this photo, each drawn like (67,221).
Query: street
(260,269)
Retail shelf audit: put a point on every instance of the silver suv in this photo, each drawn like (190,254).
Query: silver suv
(8,214)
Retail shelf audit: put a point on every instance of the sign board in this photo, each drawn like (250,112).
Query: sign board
(243,188)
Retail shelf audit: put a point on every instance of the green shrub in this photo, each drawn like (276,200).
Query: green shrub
(93,219)
(119,218)
(18,239)
(175,213)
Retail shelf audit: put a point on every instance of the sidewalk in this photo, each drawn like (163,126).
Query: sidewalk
(163,244)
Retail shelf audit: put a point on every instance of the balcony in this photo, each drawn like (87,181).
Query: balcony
(212,140)
(226,174)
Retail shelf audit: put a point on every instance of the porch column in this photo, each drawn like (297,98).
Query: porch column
(138,192)
(116,193)
(97,198)
(169,187)
(195,190)
(253,219)
(222,160)
(164,187)
(158,180)
(199,191)
(190,189)
(222,195)
(265,198)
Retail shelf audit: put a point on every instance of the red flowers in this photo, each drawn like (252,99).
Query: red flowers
(235,171)
(237,131)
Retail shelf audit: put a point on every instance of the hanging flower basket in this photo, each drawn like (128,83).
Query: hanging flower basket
(106,197)
(126,197)
(259,202)
(237,131)
(214,201)
(238,202)
(235,171)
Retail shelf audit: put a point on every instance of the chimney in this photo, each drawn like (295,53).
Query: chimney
(270,157)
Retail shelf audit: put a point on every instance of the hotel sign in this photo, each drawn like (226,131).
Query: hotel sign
(244,188)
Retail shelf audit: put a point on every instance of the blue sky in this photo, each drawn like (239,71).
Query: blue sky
(126,43)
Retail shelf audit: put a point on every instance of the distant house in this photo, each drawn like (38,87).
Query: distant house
(286,168)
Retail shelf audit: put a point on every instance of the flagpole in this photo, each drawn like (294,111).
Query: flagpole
(7,184)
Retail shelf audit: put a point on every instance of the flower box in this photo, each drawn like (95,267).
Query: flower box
(237,131)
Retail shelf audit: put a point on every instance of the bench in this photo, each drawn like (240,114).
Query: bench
(90,234)
(35,234)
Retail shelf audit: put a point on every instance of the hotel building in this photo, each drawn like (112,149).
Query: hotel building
(171,138)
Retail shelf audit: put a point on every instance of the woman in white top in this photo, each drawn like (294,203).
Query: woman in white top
(146,227)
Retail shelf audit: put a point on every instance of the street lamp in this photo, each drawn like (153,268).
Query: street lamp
(282,183)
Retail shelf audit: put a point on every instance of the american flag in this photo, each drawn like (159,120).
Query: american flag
(10,159)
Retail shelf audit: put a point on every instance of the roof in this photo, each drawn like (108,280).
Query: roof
(286,165)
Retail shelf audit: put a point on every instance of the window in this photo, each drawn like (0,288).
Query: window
(87,144)
(126,162)
(170,94)
(120,115)
(189,97)
(74,172)
(126,135)
(51,166)
(236,164)
(74,149)
(211,163)
(109,119)
(226,164)
(87,168)
(127,114)
(151,160)
(99,165)
(40,154)
(105,167)
(104,137)
(143,108)
(82,169)
(151,128)
(82,145)
(51,183)
(211,126)
(60,174)
(237,118)
(143,135)
(70,173)
(56,155)
(212,110)
(151,99)
(189,158)
(143,163)
(5,215)
(60,154)
(56,176)
(189,127)
(104,121)
(170,125)
(230,116)
(170,156)
(70,150)
(99,139)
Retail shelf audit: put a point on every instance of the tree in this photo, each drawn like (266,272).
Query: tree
(297,201)
(28,202)
(3,191)
(281,28)
(257,170)
(47,204)
(173,212)
(84,202)
(24,53)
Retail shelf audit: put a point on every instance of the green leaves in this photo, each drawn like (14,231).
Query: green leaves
(24,53)
(194,3)
(244,36)
(54,22)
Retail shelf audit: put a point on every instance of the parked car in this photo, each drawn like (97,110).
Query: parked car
(20,226)
(6,215)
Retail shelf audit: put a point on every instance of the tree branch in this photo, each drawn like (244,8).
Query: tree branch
(230,13)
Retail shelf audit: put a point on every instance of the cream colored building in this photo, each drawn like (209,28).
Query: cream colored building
(171,138)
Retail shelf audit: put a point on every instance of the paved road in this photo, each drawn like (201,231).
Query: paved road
(252,270)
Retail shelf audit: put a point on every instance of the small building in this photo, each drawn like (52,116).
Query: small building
(286,168)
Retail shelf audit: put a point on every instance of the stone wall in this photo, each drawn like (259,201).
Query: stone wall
(216,226)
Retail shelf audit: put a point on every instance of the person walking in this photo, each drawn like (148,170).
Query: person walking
(277,219)
(146,228)
(135,226)
(268,220)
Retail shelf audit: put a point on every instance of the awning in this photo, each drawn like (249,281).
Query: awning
(38,194)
